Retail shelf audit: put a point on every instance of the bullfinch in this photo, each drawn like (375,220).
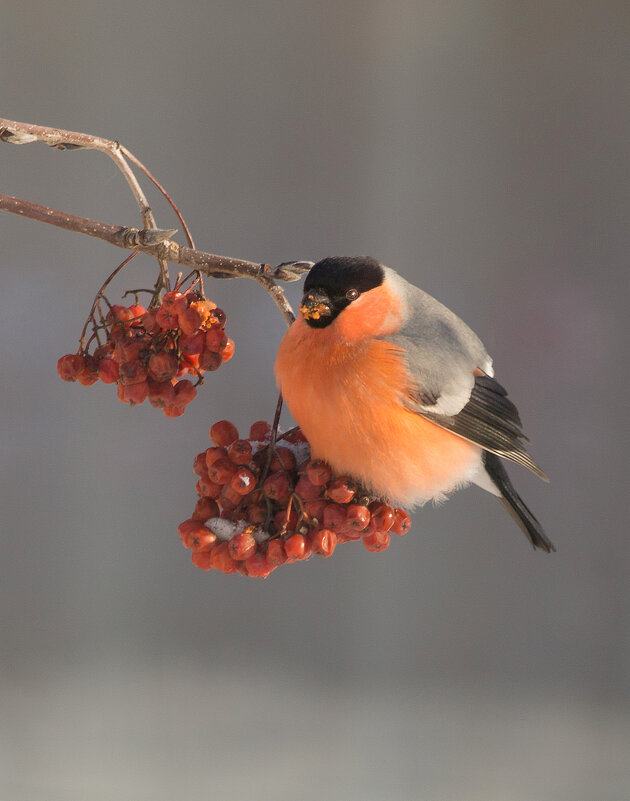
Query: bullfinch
(392,388)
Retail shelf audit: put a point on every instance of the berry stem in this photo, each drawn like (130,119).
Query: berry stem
(271,448)
(100,295)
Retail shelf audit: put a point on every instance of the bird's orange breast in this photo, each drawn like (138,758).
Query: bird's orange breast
(348,400)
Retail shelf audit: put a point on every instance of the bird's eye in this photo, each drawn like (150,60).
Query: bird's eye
(352,294)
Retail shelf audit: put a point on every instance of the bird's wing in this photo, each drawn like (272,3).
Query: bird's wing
(451,383)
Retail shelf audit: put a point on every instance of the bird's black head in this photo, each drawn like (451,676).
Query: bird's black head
(334,283)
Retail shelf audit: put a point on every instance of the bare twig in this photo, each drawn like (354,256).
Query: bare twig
(157,243)
(100,292)
(23,133)
(150,239)
(168,198)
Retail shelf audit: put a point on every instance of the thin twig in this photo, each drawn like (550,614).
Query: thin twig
(150,240)
(157,243)
(23,133)
(100,295)
(168,198)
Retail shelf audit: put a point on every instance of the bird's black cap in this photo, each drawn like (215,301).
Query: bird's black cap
(338,274)
(333,283)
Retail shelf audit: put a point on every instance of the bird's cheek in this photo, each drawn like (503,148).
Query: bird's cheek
(375,314)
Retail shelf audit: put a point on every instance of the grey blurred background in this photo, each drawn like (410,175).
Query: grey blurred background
(480,148)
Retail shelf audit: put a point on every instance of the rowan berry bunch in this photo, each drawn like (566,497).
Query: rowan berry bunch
(148,353)
(263,504)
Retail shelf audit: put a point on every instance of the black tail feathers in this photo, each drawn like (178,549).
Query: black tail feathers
(514,504)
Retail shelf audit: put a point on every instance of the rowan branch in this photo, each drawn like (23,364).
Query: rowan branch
(150,239)
(157,242)
(21,133)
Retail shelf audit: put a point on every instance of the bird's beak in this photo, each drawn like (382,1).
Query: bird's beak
(316,304)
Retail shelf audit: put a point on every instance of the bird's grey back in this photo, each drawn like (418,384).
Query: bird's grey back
(441,349)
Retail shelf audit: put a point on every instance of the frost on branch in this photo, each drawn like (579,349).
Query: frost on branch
(262,505)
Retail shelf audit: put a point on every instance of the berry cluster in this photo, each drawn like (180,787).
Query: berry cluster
(261,507)
(148,353)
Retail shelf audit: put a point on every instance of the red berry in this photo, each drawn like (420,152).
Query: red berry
(306,490)
(242,546)
(118,313)
(222,470)
(133,372)
(223,433)
(240,451)
(324,542)
(296,548)
(382,515)
(283,459)
(199,464)
(228,351)
(318,472)
(243,481)
(357,517)
(202,559)
(167,318)
(196,536)
(341,490)
(315,509)
(209,360)
(260,431)
(184,529)
(129,348)
(334,517)
(185,392)
(213,455)
(161,393)
(149,322)
(163,366)
(104,351)
(137,310)
(108,371)
(402,522)
(221,559)
(205,508)
(229,498)
(89,372)
(256,514)
(190,320)
(174,299)
(216,339)
(257,566)
(134,393)
(277,487)
(192,344)
(377,541)
(348,535)
(276,554)
(202,539)
(208,488)
(218,317)
(172,410)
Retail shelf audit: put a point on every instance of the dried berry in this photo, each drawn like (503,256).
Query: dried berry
(262,521)
(161,345)
(223,433)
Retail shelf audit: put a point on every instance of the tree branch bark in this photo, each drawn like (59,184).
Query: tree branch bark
(151,240)
(156,242)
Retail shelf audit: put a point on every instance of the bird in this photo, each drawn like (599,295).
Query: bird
(391,388)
